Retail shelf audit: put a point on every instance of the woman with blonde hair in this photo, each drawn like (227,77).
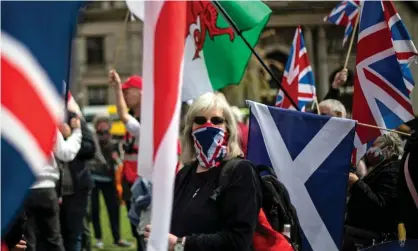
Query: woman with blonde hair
(200,222)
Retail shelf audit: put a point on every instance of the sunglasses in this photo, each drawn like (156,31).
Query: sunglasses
(103,132)
(200,120)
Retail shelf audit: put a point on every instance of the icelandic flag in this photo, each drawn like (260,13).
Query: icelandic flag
(383,80)
(345,14)
(36,43)
(311,155)
(298,78)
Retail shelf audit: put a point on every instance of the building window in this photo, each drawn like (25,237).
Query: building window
(95,50)
(97,95)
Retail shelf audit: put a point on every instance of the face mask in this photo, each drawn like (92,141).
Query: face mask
(210,145)
(375,156)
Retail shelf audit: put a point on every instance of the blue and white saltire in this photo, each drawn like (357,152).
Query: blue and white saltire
(311,155)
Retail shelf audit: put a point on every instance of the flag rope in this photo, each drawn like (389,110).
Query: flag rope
(119,43)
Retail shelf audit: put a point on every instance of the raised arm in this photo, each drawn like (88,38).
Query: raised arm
(114,81)
(66,150)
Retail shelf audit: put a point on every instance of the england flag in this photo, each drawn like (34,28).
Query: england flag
(311,156)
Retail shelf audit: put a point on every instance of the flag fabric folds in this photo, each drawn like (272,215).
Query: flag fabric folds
(311,155)
(163,63)
(298,78)
(383,81)
(36,43)
(345,14)
(214,55)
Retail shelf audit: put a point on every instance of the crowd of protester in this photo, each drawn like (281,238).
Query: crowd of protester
(65,199)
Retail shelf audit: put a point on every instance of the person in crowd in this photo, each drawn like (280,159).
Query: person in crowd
(128,103)
(408,187)
(333,108)
(42,230)
(339,79)
(229,222)
(242,129)
(372,207)
(103,168)
(13,238)
(76,187)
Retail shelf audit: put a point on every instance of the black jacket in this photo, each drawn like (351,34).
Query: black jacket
(227,224)
(80,173)
(408,211)
(372,205)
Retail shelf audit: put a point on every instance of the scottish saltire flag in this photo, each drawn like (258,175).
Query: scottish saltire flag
(298,78)
(36,39)
(345,14)
(383,81)
(311,155)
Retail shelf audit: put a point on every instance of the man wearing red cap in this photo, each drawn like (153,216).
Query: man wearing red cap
(128,102)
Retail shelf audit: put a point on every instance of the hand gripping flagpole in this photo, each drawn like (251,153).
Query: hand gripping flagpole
(239,32)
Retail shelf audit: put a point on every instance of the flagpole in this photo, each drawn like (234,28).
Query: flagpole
(353,35)
(238,31)
(121,35)
(382,128)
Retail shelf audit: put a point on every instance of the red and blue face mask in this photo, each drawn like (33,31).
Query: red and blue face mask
(210,144)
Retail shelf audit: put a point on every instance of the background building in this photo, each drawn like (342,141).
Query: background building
(101,28)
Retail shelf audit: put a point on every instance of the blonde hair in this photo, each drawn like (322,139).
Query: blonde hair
(392,141)
(335,106)
(206,102)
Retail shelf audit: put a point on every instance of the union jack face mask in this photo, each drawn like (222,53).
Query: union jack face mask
(210,144)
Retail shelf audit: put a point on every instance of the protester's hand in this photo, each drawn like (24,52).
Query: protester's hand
(147,231)
(20,246)
(114,79)
(172,239)
(352,178)
(340,78)
(65,130)
(75,123)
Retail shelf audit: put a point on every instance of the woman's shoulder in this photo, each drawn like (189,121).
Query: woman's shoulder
(237,167)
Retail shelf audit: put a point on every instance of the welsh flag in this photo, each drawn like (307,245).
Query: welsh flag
(214,56)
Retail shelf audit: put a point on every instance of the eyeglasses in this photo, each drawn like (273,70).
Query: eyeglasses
(200,120)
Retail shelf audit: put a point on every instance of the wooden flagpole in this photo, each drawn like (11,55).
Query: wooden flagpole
(353,35)
(382,128)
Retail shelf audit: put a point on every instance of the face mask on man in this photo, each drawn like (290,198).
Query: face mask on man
(210,144)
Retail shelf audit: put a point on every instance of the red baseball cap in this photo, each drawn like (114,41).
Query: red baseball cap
(133,82)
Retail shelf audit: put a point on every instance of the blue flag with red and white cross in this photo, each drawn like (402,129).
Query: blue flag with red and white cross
(35,57)
(345,14)
(383,81)
(298,78)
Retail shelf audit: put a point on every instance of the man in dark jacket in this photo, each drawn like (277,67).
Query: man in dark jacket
(76,186)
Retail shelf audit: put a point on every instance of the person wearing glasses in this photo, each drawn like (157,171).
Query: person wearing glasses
(199,222)
(103,167)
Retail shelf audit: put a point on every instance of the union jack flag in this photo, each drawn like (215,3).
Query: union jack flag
(298,79)
(34,60)
(383,81)
(345,14)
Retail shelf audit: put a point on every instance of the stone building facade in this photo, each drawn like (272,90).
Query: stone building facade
(101,28)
